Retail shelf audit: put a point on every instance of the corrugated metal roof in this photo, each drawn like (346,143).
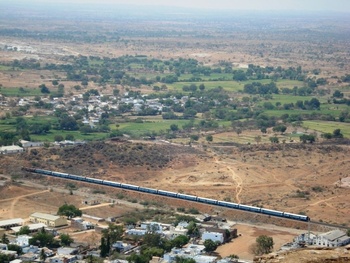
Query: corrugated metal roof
(31,227)
(13,221)
(10,148)
(333,235)
(45,216)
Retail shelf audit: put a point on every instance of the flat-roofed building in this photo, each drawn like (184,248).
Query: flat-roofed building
(8,223)
(47,219)
(10,149)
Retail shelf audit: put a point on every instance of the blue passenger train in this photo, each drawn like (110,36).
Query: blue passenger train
(193,198)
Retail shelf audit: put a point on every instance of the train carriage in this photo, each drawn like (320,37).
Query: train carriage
(148,190)
(271,212)
(111,183)
(228,204)
(187,197)
(129,186)
(167,193)
(250,208)
(207,200)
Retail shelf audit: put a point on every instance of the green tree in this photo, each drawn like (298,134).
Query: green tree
(337,134)
(104,249)
(4,239)
(15,247)
(24,230)
(113,232)
(69,211)
(210,245)
(134,258)
(174,127)
(43,255)
(348,232)
(66,239)
(308,138)
(44,89)
(58,138)
(43,239)
(263,245)
(180,241)
(274,139)
(6,258)
(209,138)
(193,229)
(68,123)
(184,260)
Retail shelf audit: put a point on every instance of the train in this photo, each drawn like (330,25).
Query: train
(165,193)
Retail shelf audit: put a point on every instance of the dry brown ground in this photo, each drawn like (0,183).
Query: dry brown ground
(241,245)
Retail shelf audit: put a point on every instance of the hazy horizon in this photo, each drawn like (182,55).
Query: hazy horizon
(253,5)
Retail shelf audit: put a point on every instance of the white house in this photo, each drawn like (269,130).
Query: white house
(335,238)
(11,149)
(28,144)
(214,236)
(136,232)
(192,251)
(23,240)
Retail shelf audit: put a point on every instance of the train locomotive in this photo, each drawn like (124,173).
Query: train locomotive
(182,196)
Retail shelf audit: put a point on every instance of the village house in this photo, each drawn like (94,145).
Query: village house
(194,252)
(28,144)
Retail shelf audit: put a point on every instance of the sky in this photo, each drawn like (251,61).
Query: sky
(260,5)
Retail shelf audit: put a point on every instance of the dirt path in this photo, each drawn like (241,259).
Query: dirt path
(235,177)
(95,206)
(16,199)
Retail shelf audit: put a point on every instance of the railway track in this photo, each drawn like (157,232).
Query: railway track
(181,196)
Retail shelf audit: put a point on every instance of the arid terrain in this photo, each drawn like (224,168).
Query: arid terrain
(296,178)
(273,177)
(241,166)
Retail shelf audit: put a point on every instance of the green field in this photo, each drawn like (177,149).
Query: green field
(137,129)
(328,127)
(235,86)
(20,92)
(4,68)
(50,137)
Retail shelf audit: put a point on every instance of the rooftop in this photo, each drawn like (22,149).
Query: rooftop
(32,227)
(9,222)
(45,216)
(333,235)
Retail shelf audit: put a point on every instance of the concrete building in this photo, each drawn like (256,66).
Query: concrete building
(28,144)
(214,236)
(335,238)
(47,219)
(11,149)
(192,251)
(22,240)
(122,247)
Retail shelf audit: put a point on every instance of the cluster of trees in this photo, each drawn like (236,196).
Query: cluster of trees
(69,211)
(259,88)
(335,135)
